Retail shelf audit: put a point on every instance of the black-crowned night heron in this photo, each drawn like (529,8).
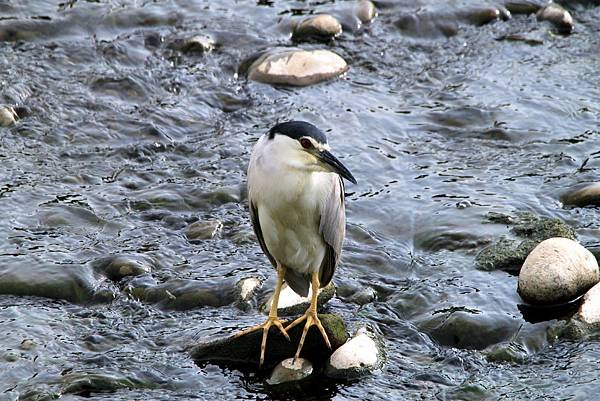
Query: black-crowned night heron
(296,199)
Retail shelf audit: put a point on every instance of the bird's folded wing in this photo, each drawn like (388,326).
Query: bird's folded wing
(259,234)
(332,227)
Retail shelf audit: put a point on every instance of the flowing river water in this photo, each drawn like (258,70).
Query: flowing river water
(123,141)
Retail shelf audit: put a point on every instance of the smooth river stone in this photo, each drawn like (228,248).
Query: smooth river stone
(291,303)
(289,66)
(582,195)
(318,27)
(365,11)
(558,16)
(117,267)
(586,321)
(358,357)
(203,229)
(524,6)
(245,350)
(558,270)
(290,370)
(8,116)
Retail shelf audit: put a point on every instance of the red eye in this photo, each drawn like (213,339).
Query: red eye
(306,143)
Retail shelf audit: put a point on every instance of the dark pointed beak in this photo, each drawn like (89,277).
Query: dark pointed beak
(335,165)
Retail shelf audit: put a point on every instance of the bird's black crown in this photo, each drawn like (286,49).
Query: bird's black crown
(297,130)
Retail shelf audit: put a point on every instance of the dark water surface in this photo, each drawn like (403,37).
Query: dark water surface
(124,141)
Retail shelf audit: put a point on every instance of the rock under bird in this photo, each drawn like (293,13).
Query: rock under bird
(296,201)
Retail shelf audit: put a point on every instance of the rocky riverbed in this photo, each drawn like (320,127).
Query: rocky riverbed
(125,132)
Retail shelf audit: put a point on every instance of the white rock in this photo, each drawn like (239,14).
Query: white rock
(247,287)
(365,11)
(291,303)
(322,26)
(359,356)
(589,311)
(289,66)
(290,370)
(8,116)
(558,270)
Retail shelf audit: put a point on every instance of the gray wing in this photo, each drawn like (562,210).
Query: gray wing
(333,228)
(259,234)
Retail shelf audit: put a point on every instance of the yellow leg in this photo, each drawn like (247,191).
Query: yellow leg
(272,320)
(310,316)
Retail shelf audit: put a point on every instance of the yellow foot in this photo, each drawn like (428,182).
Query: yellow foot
(311,319)
(266,326)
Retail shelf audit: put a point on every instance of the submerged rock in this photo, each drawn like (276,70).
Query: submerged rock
(582,195)
(558,270)
(203,229)
(296,67)
(361,355)
(85,383)
(290,370)
(322,27)
(117,267)
(291,303)
(8,116)
(246,349)
(558,16)
(197,44)
(470,330)
(183,294)
(508,254)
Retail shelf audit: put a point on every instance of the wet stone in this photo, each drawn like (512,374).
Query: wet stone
(86,383)
(557,271)
(582,195)
(296,67)
(508,254)
(360,356)
(247,288)
(10,356)
(290,370)
(586,322)
(506,352)
(524,6)
(197,44)
(323,27)
(73,283)
(8,116)
(557,16)
(27,345)
(245,350)
(291,303)
(457,328)
(117,267)
(203,230)
(365,11)
(181,294)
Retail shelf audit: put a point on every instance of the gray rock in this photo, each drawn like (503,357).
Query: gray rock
(183,294)
(582,195)
(508,254)
(322,27)
(506,352)
(558,270)
(296,67)
(27,344)
(360,356)
(557,16)
(456,328)
(86,383)
(365,11)
(246,349)
(117,267)
(291,303)
(290,370)
(203,229)
(524,6)
(8,116)
(11,356)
